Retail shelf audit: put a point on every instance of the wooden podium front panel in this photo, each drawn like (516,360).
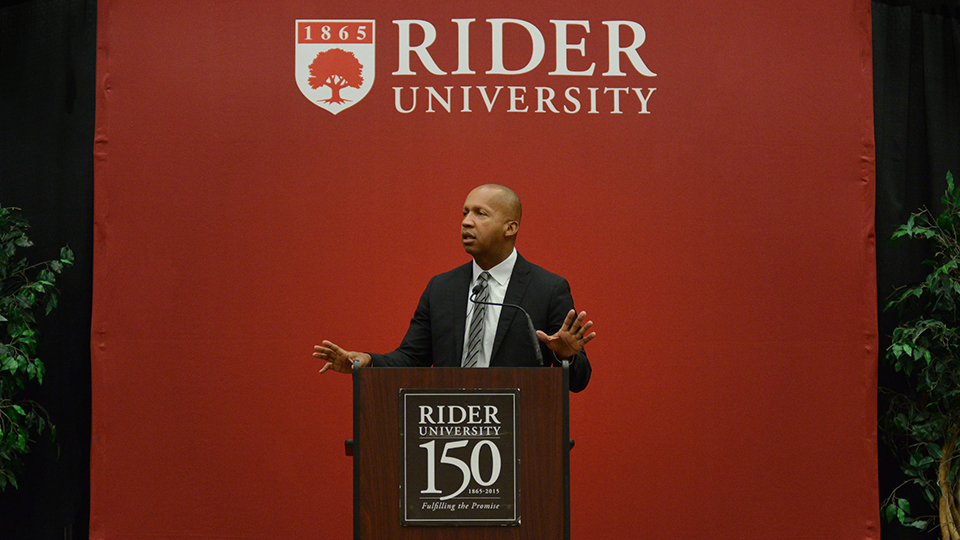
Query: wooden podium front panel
(543,450)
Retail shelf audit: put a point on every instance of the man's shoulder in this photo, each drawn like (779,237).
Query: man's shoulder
(536,271)
(455,275)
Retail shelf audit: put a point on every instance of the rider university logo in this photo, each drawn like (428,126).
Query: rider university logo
(335,61)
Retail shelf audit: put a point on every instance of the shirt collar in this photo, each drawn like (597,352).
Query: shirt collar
(500,273)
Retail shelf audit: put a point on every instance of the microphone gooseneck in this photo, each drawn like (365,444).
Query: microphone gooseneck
(530,328)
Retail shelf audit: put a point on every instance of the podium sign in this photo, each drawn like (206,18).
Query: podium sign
(460,457)
(426,444)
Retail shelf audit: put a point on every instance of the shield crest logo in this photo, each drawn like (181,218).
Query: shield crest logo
(335,61)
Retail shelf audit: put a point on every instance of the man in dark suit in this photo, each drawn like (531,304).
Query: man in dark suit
(450,330)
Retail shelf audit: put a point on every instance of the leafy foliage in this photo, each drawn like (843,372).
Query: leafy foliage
(922,423)
(26,292)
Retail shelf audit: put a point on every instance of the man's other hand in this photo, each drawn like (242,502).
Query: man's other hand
(337,359)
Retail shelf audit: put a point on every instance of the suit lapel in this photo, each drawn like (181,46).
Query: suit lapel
(461,298)
(515,291)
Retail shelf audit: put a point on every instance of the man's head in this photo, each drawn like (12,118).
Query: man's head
(491,220)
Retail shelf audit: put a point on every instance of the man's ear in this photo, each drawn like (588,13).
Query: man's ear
(511,228)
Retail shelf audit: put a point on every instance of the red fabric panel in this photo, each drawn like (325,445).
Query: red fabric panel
(722,242)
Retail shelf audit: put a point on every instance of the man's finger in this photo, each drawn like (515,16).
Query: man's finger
(568,320)
(585,328)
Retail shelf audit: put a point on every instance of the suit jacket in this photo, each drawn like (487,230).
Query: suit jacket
(435,336)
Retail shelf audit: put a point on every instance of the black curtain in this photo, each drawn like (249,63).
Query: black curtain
(47,85)
(916,56)
(47,76)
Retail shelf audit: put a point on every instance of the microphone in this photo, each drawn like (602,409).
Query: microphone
(532,330)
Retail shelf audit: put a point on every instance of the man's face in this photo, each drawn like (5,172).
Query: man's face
(486,224)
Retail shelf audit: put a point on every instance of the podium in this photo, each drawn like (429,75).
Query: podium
(471,454)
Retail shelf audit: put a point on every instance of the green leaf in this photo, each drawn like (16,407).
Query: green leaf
(9,364)
(935,451)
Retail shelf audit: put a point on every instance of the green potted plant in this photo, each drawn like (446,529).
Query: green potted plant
(923,420)
(27,292)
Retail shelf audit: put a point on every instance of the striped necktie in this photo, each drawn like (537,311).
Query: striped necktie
(475,337)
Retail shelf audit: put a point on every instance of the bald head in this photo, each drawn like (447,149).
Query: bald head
(505,198)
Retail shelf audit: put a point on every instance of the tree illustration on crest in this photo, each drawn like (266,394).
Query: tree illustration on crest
(337,69)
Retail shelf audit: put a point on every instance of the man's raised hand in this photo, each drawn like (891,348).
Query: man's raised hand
(337,359)
(571,337)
